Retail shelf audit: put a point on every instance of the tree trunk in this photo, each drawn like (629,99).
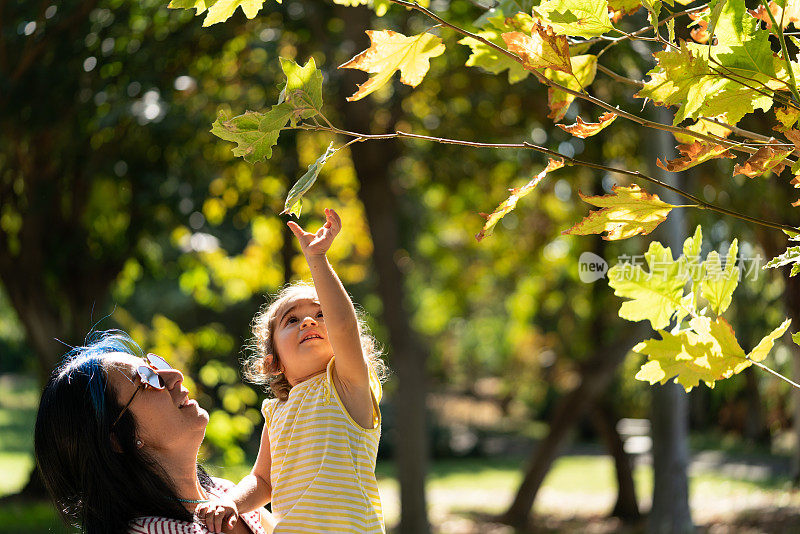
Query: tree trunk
(596,374)
(792,293)
(670,513)
(626,507)
(372,163)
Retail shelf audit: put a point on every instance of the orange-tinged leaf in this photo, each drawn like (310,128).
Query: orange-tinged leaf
(511,202)
(587,129)
(694,154)
(584,68)
(700,26)
(627,211)
(391,51)
(792,15)
(765,159)
(541,49)
(620,8)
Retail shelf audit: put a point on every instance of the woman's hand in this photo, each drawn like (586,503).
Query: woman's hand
(219,515)
(319,243)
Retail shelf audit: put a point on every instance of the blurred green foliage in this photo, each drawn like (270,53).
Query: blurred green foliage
(136,208)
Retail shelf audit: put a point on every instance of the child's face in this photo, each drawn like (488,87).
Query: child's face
(301,339)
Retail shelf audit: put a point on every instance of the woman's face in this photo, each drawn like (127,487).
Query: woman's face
(166,419)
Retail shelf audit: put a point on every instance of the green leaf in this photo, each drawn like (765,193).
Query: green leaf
(219,10)
(655,295)
(790,256)
(303,90)
(492,60)
(715,11)
(626,212)
(682,356)
(796,337)
(653,8)
(707,352)
(765,345)
(694,264)
(301,187)
(577,18)
(685,78)
(718,285)
(254,133)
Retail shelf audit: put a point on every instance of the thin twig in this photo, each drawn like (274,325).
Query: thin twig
(641,31)
(759,364)
(619,77)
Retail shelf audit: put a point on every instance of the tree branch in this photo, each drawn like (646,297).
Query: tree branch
(701,204)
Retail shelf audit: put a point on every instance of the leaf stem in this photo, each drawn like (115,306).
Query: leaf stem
(778,30)
(775,373)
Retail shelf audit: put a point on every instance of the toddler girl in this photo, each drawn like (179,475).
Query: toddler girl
(316,462)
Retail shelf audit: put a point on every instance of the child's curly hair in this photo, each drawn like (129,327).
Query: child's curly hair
(256,368)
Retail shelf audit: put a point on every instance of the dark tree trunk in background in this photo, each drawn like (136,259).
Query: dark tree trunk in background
(626,507)
(595,376)
(792,293)
(670,513)
(754,429)
(372,164)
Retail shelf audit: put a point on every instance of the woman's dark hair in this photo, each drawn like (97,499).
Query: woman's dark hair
(98,483)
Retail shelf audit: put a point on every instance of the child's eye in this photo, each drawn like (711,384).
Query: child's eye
(291,320)
(319,314)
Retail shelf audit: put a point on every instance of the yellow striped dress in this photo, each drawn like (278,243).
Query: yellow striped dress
(323,462)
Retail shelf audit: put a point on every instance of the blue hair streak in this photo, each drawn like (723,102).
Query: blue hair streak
(87,360)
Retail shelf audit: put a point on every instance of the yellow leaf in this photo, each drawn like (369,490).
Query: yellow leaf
(682,356)
(627,211)
(765,345)
(541,49)
(511,202)
(391,51)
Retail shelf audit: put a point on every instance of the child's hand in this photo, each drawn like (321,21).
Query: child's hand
(218,514)
(319,243)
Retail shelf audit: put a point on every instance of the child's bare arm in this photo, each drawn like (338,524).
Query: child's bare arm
(251,493)
(340,319)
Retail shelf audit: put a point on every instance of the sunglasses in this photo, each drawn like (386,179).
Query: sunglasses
(149,378)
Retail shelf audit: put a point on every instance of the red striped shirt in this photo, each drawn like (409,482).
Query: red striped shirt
(164,525)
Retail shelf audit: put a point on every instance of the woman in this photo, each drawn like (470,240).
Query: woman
(116,441)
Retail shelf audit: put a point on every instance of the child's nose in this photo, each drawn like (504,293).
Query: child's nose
(308,321)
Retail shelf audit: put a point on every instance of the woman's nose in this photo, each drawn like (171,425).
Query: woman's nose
(171,377)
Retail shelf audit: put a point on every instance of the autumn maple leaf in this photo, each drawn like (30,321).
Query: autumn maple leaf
(391,51)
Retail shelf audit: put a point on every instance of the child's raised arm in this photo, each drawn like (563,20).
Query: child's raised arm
(350,371)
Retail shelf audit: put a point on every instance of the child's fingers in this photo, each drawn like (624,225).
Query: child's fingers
(219,517)
(232,521)
(295,228)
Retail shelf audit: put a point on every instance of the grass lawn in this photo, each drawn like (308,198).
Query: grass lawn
(578,486)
